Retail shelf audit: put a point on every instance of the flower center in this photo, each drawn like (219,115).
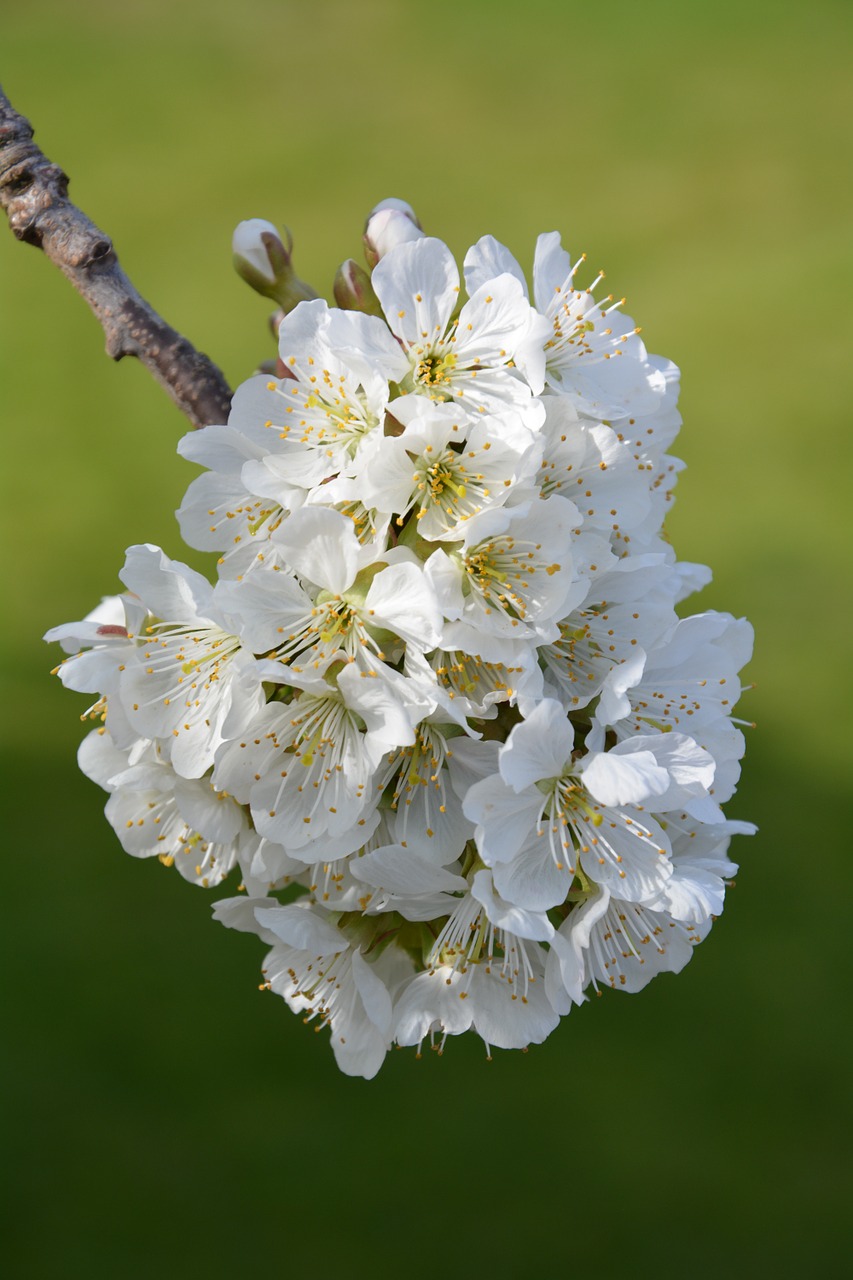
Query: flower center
(435,369)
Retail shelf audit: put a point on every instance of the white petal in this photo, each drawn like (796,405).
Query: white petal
(212,814)
(417,285)
(540,747)
(432,999)
(100,759)
(485,260)
(239,913)
(551,268)
(303,928)
(374,994)
(321,545)
(532,879)
(508,1019)
(171,590)
(405,872)
(534,925)
(504,818)
(402,599)
(616,779)
(566,968)
(493,321)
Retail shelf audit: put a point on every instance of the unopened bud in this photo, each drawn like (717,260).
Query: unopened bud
(398,206)
(392,222)
(353,290)
(274,322)
(264,261)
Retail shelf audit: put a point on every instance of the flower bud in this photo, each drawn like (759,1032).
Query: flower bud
(274,322)
(353,290)
(264,262)
(390,223)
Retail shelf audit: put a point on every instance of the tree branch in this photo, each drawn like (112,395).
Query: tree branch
(34,194)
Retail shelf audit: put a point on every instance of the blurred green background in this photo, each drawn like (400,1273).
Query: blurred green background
(162,1117)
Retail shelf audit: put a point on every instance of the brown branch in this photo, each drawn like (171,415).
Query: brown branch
(34,194)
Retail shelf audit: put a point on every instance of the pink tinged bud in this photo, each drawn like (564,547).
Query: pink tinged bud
(392,222)
(263,259)
(353,290)
(112,629)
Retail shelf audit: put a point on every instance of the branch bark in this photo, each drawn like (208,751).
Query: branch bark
(34,194)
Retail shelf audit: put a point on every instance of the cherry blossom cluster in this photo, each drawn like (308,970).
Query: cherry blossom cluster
(438,710)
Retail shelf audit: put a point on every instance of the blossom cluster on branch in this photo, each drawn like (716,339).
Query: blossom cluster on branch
(438,708)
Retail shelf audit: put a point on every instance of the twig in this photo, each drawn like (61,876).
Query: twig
(34,194)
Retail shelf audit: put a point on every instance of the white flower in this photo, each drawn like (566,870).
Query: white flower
(304,767)
(323,974)
(607,942)
(485,970)
(471,686)
(446,472)
(189,681)
(438,711)
(593,353)
(701,868)
(687,680)
(510,579)
(105,639)
(357,625)
(184,822)
(220,510)
(333,399)
(627,608)
(544,814)
(588,463)
(469,358)
(407,882)
(428,812)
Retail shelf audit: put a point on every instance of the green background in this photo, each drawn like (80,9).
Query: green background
(162,1116)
